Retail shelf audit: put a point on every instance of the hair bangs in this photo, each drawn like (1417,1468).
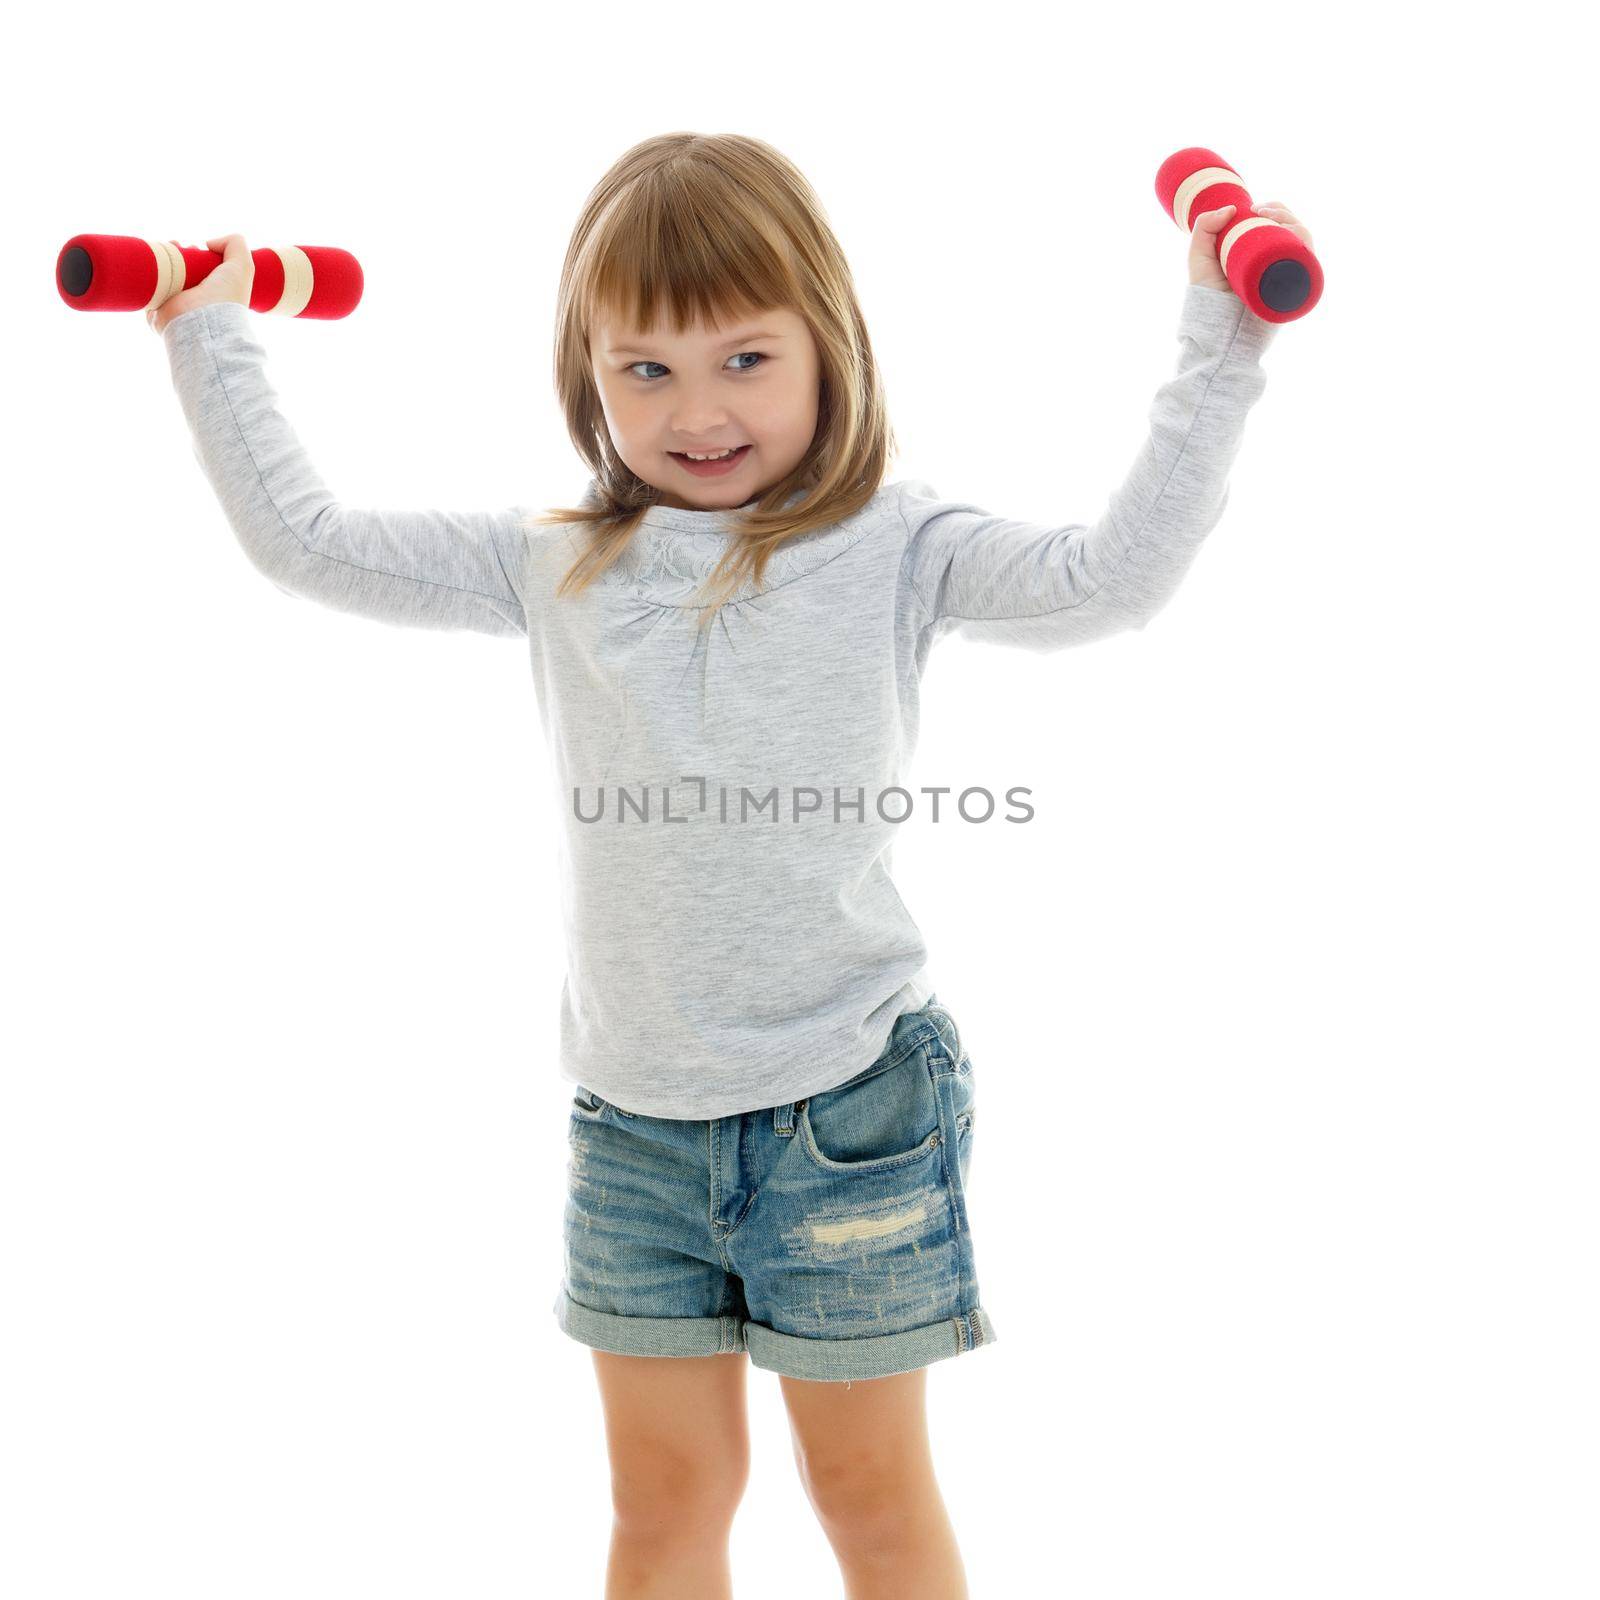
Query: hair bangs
(681,249)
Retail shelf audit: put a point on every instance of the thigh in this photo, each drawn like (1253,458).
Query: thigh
(861,1438)
(677,1429)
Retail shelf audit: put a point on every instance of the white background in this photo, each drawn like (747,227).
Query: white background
(1281,1007)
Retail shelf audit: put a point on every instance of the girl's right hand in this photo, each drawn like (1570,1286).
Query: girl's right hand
(231,280)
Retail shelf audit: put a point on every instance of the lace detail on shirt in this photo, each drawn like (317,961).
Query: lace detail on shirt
(673,552)
(670,566)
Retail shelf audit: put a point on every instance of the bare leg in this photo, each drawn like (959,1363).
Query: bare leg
(680,1456)
(675,1561)
(902,1544)
(866,1466)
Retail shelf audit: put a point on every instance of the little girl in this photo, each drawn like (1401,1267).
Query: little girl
(772,1118)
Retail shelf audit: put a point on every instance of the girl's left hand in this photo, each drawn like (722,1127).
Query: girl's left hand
(233,278)
(1204,267)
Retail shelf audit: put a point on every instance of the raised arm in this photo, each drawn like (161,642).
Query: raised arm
(426,569)
(1044,588)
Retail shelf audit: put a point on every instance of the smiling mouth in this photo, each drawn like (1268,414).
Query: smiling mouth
(720,467)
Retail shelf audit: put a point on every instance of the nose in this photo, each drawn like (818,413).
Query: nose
(699,413)
(700,422)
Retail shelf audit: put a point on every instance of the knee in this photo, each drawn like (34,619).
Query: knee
(670,1499)
(863,1499)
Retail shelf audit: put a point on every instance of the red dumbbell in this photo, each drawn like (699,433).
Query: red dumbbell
(116,272)
(1271,269)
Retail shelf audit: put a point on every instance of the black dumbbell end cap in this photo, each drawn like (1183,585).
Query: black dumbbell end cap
(76,271)
(1285,285)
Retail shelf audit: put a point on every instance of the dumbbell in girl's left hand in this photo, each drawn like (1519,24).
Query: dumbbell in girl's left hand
(230,281)
(1204,267)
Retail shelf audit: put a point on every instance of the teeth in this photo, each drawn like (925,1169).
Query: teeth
(693,457)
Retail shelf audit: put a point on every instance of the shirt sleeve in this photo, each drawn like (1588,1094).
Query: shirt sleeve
(425,569)
(1043,588)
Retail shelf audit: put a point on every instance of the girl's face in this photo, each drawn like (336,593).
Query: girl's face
(753,382)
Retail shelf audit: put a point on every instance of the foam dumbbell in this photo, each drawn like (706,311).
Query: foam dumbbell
(1270,268)
(117,272)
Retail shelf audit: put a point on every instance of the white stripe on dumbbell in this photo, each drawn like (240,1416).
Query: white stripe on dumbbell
(298,280)
(169,271)
(1238,231)
(1193,184)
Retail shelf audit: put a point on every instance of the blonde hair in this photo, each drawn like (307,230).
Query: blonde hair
(715,226)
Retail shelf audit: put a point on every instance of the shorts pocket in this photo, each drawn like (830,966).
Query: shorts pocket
(888,1120)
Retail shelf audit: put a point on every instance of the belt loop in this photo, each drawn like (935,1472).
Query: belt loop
(783,1118)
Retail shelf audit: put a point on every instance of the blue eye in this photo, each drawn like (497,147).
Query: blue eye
(759,355)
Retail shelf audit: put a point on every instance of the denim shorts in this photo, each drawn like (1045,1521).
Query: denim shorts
(827,1237)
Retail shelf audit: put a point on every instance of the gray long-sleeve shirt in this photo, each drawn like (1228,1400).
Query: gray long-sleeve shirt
(728,800)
